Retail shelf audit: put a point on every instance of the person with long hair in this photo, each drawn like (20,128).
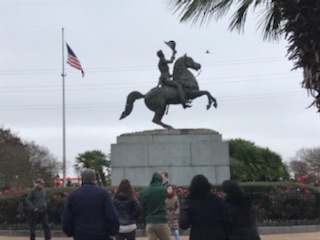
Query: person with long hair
(128,209)
(173,211)
(241,220)
(203,211)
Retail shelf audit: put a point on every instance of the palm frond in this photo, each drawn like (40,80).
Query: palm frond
(199,11)
(271,22)
(239,17)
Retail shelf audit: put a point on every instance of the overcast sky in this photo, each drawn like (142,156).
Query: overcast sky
(259,98)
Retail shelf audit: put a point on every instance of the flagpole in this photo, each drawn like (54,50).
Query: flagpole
(63,117)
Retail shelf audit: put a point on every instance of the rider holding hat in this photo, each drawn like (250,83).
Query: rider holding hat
(165,76)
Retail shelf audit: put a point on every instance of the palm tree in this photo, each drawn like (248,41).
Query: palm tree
(95,160)
(245,159)
(249,161)
(296,20)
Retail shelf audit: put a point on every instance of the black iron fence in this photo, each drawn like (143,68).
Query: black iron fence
(292,206)
(286,207)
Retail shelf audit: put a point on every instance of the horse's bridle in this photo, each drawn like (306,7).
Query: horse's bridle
(199,71)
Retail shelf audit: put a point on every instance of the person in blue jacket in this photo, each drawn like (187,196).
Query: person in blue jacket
(89,213)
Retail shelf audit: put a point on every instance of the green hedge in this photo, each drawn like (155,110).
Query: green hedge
(275,203)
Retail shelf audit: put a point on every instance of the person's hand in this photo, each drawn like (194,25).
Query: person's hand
(35,210)
(111,238)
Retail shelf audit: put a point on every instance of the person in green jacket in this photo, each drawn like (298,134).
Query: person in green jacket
(153,205)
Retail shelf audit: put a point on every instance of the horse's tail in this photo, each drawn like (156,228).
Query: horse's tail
(129,105)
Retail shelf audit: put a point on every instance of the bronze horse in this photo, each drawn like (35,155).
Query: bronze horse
(158,98)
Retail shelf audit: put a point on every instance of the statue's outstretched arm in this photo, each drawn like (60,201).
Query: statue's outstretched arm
(169,61)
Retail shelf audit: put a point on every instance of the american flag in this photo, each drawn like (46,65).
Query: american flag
(73,60)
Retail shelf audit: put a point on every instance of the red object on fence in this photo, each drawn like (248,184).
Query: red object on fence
(58,182)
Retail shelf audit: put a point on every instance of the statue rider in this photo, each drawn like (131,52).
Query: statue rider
(165,77)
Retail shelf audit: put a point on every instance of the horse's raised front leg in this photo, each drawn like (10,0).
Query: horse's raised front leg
(198,93)
(158,114)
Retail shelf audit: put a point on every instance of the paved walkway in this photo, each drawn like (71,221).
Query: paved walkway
(288,236)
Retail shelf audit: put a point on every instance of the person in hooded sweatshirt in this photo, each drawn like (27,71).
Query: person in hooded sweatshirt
(128,209)
(241,221)
(89,213)
(153,206)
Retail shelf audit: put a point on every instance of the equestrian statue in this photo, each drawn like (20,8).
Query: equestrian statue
(180,90)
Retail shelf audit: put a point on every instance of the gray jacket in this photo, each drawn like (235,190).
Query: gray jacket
(37,199)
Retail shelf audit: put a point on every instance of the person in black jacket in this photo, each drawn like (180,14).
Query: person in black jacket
(241,221)
(89,213)
(203,212)
(128,209)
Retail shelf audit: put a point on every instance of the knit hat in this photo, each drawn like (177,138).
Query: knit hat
(40,180)
(88,176)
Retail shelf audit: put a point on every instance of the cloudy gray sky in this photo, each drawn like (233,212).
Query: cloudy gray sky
(259,97)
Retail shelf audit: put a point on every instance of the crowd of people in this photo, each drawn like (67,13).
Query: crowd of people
(90,213)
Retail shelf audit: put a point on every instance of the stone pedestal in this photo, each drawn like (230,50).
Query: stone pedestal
(183,153)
